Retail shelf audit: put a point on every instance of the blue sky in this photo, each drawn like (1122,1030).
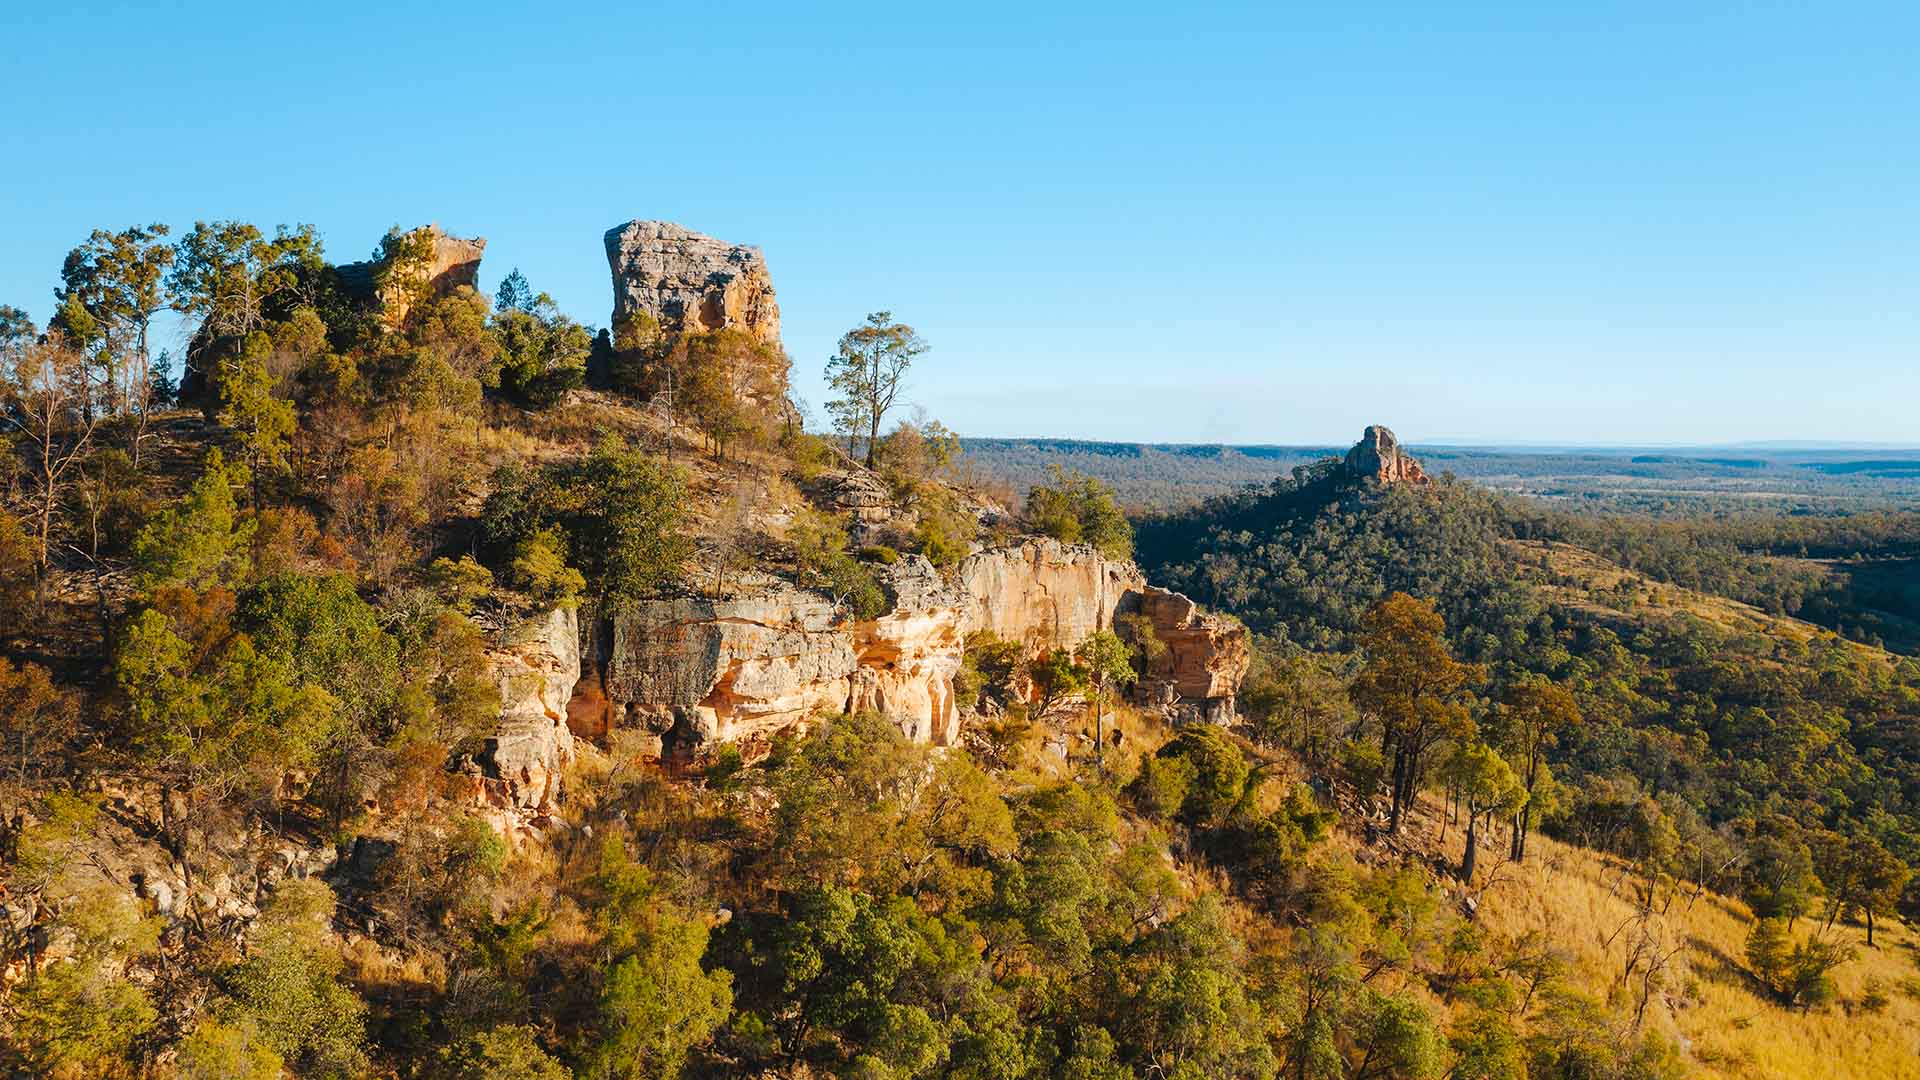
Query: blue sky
(1517,222)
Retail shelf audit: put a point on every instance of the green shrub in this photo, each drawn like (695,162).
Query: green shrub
(1078,509)
(1220,773)
(853,586)
(880,553)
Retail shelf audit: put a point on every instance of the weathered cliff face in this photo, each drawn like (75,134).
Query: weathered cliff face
(537,670)
(689,283)
(696,672)
(1045,594)
(700,671)
(1207,657)
(1378,457)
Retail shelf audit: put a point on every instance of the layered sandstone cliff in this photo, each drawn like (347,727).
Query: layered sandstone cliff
(693,673)
(669,280)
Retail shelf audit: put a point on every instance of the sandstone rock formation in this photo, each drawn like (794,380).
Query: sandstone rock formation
(1379,458)
(536,670)
(696,672)
(446,263)
(684,282)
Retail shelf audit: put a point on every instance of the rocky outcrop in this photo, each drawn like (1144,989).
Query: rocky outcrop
(699,671)
(694,672)
(1378,458)
(669,280)
(536,670)
(436,264)
(1207,657)
(1046,594)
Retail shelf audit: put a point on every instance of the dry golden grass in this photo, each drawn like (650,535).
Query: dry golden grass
(1542,561)
(1576,898)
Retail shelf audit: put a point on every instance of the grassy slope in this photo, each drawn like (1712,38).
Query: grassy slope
(1574,896)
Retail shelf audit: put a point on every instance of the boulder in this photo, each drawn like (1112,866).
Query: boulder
(685,282)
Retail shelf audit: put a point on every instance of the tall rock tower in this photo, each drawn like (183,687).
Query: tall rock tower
(669,280)
(1378,457)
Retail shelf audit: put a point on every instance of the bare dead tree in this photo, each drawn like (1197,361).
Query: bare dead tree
(46,404)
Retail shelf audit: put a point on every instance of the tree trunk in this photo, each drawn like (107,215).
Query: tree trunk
(1471,855)
(1099,737)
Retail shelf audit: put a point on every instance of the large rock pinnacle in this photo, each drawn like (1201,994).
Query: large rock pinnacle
(1379,458)
(684,282)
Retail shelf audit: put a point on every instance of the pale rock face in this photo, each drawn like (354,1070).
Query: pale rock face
(1207,656)
(690,283)
(1045,594)
(696,672)
(1379,458)
(724,670)
(909,656)
(536,673)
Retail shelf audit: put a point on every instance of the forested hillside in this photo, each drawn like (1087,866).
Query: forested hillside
(407,683)
(1666,483)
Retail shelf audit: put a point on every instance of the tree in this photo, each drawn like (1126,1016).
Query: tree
(1412,686)
(1531,719)
(1488,787)
(205,709)
(81,1018)
(1054,677)
(619,508)
(1864,877)
(264,422)
(111,288)
(507,1052)
(655,1001)
(37,723)
(1221,775)
(221,1051)
(543,354)
(1799,975)
(868,373)
(290,987)
(203,538)
(1109,664)
(229,274)
(514,293)
(1299,701)
(47,404)
(1779,878)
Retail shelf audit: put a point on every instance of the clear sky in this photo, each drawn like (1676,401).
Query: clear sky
(1488,222)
